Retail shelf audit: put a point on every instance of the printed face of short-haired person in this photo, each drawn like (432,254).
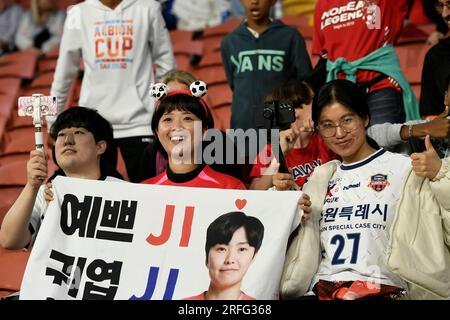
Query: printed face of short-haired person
(343,131)
(176,134)
(228,263)
(76,150)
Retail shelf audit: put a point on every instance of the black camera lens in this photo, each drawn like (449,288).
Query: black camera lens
(268,113)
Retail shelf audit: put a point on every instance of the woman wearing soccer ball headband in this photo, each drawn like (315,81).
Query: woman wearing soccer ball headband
(178,116)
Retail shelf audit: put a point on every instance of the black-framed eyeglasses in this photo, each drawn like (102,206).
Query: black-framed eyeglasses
(328,129)
(440,6)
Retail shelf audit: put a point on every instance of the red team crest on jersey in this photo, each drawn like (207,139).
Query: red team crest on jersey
(378,182)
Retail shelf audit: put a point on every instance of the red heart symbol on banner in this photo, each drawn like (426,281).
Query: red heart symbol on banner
(240,203)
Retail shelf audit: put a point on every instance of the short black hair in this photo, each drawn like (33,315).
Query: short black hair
(344,92)
(347,93)
(221,230)
(101,129)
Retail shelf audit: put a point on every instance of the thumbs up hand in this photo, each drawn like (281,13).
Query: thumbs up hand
(426,164)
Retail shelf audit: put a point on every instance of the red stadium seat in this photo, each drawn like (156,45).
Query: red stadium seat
(188,47)
(6,158)
(43,81)
(10,86)
(9,194)
(222,116)
(296,21)
(411,58)
(180,36)
(211,59)
(48,65)
(222,29)
(12,269)
(30,91)
(219,95)
(211,75)
(13,174)
(19,64)
(52,54)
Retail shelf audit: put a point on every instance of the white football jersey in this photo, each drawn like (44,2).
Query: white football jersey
(358,212)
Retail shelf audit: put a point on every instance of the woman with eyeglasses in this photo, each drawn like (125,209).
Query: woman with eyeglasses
(380,221)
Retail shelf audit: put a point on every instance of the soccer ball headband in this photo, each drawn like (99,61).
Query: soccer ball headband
(197,89)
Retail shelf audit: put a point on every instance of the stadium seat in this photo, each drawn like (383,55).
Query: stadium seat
(10,86)
(19,64)
(219,95)
(188,47)
(212,44)
(211,75)
(211,59)
(411,34)
(20,139)
(52,54)
(296,21)
(9,194)
(411,58)
(7,101)
(13,174)
(221,29)
(180,36)
(30,91)
(12,269)
(222,116)
(42,81)
(15,121)
(6,108)
(47,65)
(306,31)
(6,158)
(416,89)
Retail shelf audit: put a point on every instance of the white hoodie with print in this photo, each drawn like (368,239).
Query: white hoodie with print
(118,48)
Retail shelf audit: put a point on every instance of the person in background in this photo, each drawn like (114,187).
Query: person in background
(259,55)
(119,42)
(442,27)
(84,149)
(41,28)
(357,40)
(10,15)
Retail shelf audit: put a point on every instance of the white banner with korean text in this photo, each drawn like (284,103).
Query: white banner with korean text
(114,240)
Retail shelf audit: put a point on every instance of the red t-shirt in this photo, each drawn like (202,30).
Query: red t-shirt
(354,29)
(301,161)
(206,178)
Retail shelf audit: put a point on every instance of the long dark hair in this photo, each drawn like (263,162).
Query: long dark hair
(101,129)
(349,95)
